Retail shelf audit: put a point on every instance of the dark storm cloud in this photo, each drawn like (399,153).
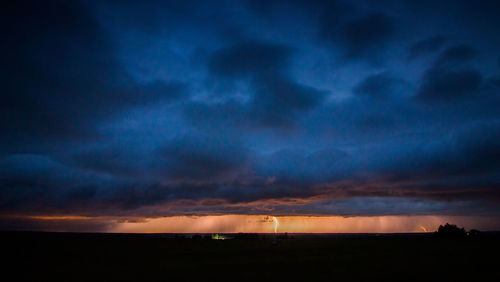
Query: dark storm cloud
(202,157)
(226,113)
(62,225)
(60,73)
(377,86)
(299,165)
(269,7)
(445,85)
(34,183)
(448,79)
(245,107)
(359,36)
(426,46)
(275,99)
(455,55)
(485,9)
(250,59)
(358,32)
(480,146)
(112,161)
(467,158)
(155,18)
(370,124)
(493,82)
(149,16)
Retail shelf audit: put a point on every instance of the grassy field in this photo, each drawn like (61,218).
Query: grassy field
(110,257)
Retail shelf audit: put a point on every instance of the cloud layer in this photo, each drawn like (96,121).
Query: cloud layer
(250,107)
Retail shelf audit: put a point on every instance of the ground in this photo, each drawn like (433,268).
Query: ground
(120,257)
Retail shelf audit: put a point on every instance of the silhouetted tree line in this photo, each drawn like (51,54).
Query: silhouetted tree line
(247,236)
(452,231)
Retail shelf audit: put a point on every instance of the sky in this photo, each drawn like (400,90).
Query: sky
(214,116)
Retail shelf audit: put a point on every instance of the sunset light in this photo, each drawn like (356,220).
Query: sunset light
(328,139)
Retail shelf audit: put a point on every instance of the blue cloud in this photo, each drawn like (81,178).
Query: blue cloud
(304,107)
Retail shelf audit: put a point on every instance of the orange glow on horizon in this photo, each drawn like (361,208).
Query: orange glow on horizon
(301,224)
(257,223)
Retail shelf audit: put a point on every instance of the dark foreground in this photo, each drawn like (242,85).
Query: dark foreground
(110,257)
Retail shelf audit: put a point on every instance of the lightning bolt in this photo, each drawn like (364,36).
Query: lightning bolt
(276,224)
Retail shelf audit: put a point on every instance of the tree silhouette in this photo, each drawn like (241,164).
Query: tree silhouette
(450,230)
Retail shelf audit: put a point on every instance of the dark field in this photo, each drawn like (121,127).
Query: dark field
(84,257)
